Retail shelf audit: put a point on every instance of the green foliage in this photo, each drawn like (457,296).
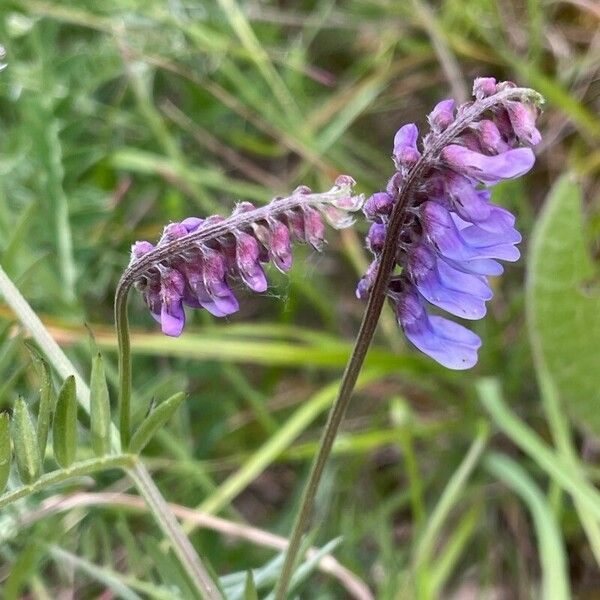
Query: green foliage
(64,428)
(119,117)
(99,408)
(154,422)
(27,451)
(5,450)
(564,304)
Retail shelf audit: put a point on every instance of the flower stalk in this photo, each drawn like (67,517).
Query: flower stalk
(402,199)
(196,260)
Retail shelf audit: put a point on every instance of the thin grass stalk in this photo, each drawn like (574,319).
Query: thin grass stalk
(370,319)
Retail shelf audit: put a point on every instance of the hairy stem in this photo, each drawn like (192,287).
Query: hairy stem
(181,246)
(78,469)
(371,315)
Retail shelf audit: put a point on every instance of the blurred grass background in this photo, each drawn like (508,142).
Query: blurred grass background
(118,117)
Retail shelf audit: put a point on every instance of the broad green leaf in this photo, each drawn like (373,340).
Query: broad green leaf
(563,309)
(5,450)
(154,421)
(27,452)
(99,408)
(64,430)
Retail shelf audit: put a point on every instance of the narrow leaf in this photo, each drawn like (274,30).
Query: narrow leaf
(46,408)
(250,592)
(155,421)
(27,451)
(99,408)
(47,395)
(64,430)
(5,450)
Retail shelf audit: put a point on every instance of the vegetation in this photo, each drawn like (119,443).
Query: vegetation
(118,117)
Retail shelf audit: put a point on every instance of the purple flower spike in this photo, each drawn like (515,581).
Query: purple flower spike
(196,261)
(450,236)
(247,263)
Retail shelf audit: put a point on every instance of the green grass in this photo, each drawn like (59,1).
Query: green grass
(117,117)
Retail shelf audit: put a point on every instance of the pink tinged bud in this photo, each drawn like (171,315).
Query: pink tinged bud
(488,169)
(302,190)
(490,138)
(140,248)
(295,220)
(280,247)
(366,283)
(243,207)
(336,217)
(192,223)
(345,181)
(522,117)
(206,278)
(378,207)
(376,238)
(314,228)
(247,262)
(394,184)
(406,153)
(172,315)
(484,87)
(173,231)
(442,116)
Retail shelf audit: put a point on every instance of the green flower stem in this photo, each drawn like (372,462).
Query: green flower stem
(371,315)
(182,547)
(122,325)
(78,469)
(132,465)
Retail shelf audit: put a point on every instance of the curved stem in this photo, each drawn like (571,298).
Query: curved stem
(370,319)
(182,246)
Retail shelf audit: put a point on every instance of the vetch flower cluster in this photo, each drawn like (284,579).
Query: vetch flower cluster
(452,236)
(197,261)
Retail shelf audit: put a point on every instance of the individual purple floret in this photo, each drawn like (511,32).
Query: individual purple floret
(452,236)
(197,262)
